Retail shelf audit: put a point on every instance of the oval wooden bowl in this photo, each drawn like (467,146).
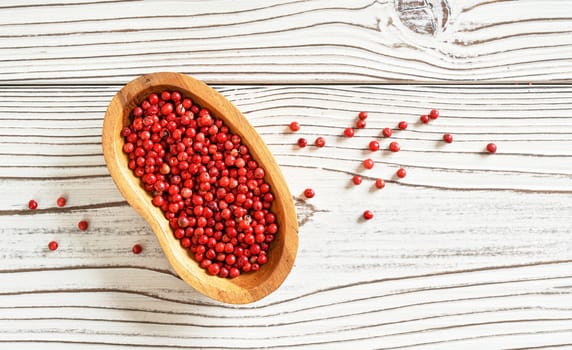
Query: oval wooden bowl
(247,287)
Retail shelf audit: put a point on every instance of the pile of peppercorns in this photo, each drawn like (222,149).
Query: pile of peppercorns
(206,182)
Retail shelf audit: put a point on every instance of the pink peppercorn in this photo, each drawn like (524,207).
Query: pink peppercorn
(294,126)
(320,142)
(32,204)
(309,193)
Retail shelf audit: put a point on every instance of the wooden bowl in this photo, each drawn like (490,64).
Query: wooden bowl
(247,287)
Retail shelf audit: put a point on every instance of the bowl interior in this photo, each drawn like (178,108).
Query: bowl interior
(281,254)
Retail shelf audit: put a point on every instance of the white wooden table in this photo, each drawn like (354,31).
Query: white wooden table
(469,251)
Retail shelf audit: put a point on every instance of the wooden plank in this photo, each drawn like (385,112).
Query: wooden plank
(225,41)
(468,251)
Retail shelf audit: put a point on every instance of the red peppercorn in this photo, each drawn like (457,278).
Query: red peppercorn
(401,173)
(302,142)
(379,183)
(294,126)
(83,225)
(320,142)
(362,115)
(394,147)
(491,147)
(360,124)
(61,202)
(368,163)
(368,214)
(309,193)
(32,204)
(349,132)
(387,132)
(374,146)
(434,114)
(137,249)
(53,245)
(424,119)
(402,125)
(357,179)
(448,138)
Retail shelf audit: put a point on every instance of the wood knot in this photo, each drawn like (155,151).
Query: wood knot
(424,16)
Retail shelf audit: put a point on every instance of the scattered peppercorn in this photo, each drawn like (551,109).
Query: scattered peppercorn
(362,115)
(402,125)
(379,183)
(368,163)
(137,249)
(309,193)
(394,147)
(374,146)
(61,202)
(302,142)
(401,173)
(448,138)
(360,124)
(434,114)
(294,126)
(368,214)
(424,119)
(320,142)
(492,148)
(53,245)
(357,179)
(82,225)
(32,204)
(387,132)
(349,132)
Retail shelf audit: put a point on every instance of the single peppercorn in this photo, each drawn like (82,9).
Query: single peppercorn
(448,138)
(320,142)
(32,204)
(53,245)
(387,132)
(362,115)
(294,126)
(61,202)
(368,214)
(424,119)
(402,125)
(394,147)
(137,249)
(491,148)
(83,225)
(349,132)
(434,114)
(401,173)
(357,179)
(368,163)
(379,183)
(302,142)
(374,146)
(309,193)
(360,124)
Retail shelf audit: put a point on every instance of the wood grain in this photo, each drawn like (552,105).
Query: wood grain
(468,251)
(287,41)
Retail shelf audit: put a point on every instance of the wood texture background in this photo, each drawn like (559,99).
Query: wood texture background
(469,251)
